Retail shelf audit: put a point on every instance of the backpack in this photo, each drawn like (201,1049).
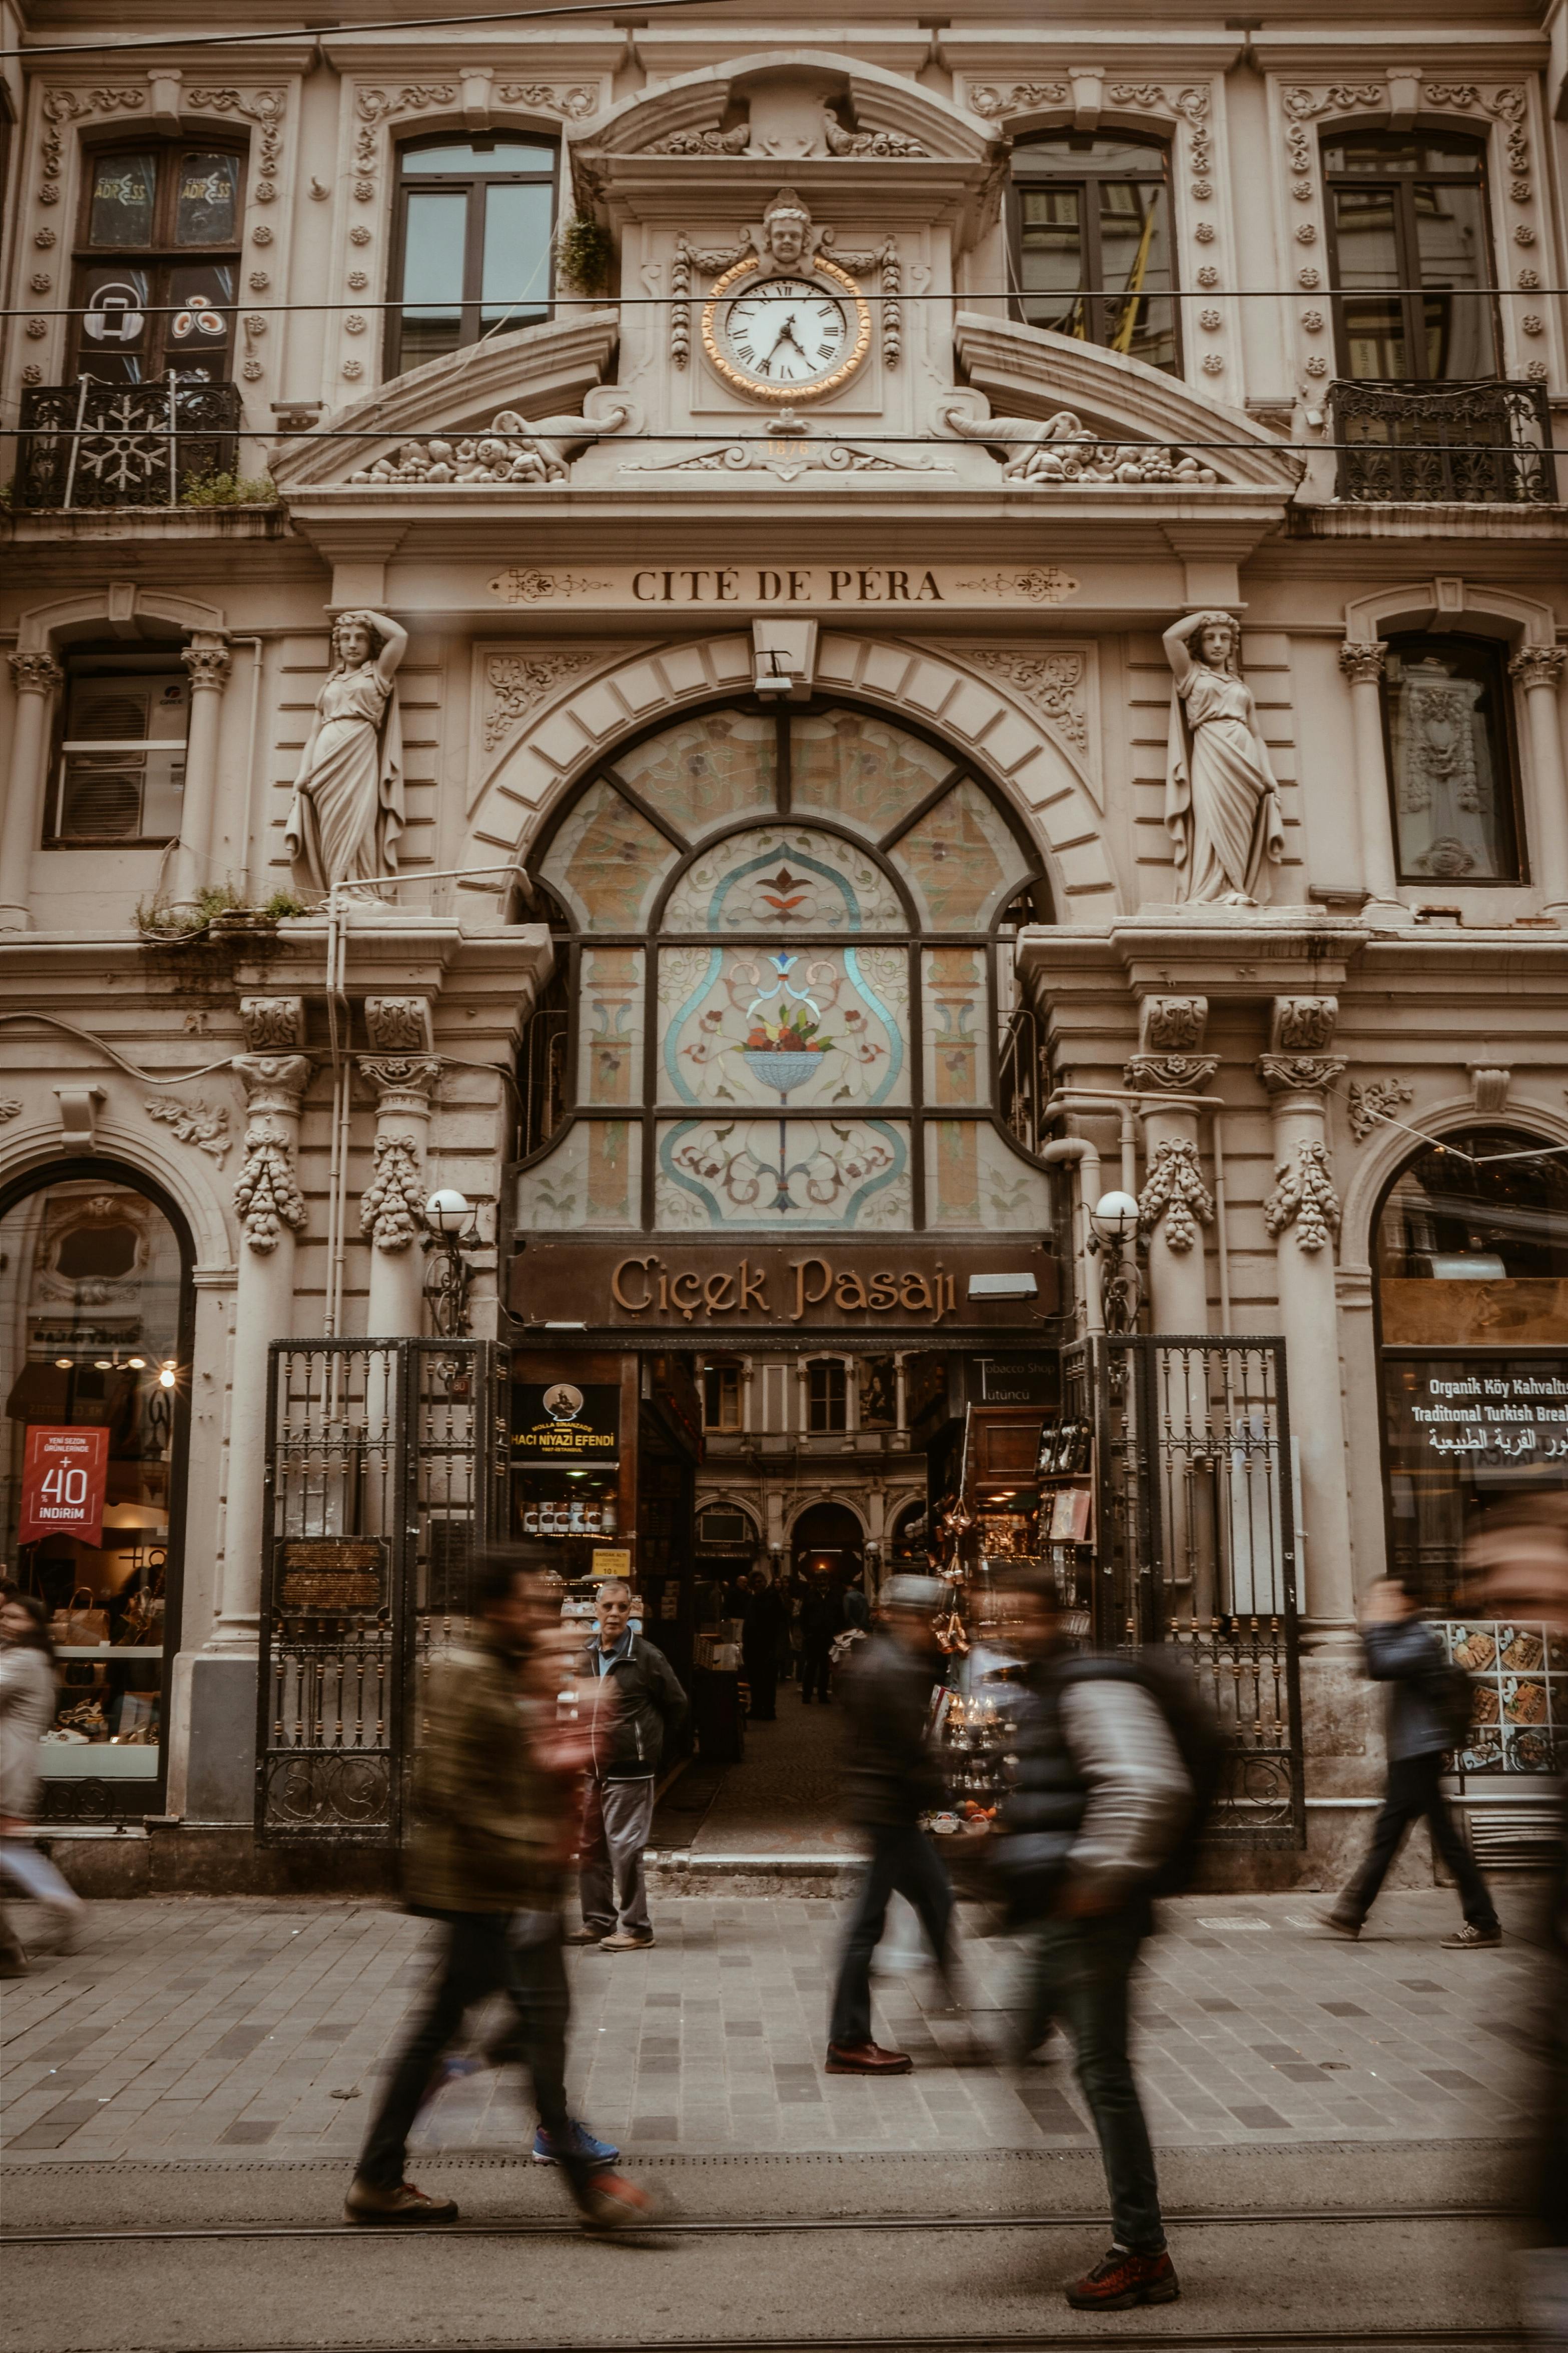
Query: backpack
(1194,1728)
(1447,1689)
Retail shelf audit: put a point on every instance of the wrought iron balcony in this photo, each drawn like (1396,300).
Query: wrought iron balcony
(1481,444)
(90,444)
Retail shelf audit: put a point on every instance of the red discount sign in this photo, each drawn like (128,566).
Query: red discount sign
(63,1477)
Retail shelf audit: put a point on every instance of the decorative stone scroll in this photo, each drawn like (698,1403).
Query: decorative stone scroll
(1177,1074)
(514,683)
(1374,1104)
(837,140)
(1174,1193)
(1053,683)
(198,1123)
(1062,449)
(1304,1198)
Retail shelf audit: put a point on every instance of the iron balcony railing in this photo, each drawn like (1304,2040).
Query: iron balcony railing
(1479,444)
(90,444)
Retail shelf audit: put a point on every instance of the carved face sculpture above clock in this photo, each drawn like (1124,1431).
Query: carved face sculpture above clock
(785,324)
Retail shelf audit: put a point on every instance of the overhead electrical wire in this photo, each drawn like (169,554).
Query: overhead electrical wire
(316,33)
(957,295)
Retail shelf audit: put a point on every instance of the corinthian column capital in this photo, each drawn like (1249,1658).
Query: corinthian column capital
(1540,666)
(34,674)
(1296,1074)
(1361,660)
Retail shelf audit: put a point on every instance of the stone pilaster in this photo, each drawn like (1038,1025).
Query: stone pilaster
(1538,672)
(392,1210)
(1302,1215)
(1362,661)
(1174,1205)
(35,677)
(208,660)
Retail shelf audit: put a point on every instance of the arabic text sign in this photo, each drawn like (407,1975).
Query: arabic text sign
(64,1473)
(1509,1417)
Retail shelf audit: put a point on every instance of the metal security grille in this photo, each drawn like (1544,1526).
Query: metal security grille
(383,1467)
(1197,1545)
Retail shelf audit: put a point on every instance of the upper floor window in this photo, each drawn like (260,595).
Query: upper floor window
(157,260)
(1089,228)
(121,772)
(475,222)
(827,1397)
(1408,209)
(1450,760)
(722,1396)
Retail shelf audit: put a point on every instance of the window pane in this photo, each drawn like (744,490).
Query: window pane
(1051,259)
(115,327)
(862,770)
(1470,1252)
(784,879)
(706,771)
(1397,155)
(503,155)
(589,1182)
(956,1023)
(610,1027)
(1451,238)
(198,330)
(794,1176)
(515,280)
(976,1182)
(434,234)
(1452,789)
(810,1028)
(1366,248)
(206,204)
(1135,254)
(606,863)
(124,187)
(962,861)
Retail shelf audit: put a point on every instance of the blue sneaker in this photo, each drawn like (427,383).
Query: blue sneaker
(584,2146)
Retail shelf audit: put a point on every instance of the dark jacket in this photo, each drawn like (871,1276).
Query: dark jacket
(489,1821)
(1407,1655)
(892,1776)
(1100,1787)
(649,1712)
(821,1614)
(766,1624)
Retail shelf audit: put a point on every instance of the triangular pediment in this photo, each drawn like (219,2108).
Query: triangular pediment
(1032,374)
(543,373)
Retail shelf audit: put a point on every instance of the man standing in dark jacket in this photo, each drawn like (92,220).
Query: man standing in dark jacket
(1404,1653)
(764,1631)
(821,1622)
(630,1736)
(892,1778)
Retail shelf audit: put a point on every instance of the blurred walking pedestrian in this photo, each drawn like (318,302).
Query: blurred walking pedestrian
(1428,1713)
(765,1626)
(628,1740)
(892,1777)
(1101,1799)
(28,1694)
(494,1805)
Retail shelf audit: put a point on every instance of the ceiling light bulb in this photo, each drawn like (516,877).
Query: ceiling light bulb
(166,1376)
(65,1363)
(103,1365)
(137,1364)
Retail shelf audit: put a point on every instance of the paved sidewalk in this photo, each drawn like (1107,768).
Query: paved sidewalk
(208,2028)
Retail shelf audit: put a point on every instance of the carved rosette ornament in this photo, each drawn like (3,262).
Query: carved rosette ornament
(1174,1192)
(1374,1104)
(266,1193)
(1304,1198)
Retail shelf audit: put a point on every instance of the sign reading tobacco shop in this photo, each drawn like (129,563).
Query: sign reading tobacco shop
(894,1285)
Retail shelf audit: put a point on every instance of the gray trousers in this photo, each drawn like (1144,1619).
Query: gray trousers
(618,1817)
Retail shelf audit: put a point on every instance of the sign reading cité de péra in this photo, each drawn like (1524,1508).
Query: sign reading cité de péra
(559,1423)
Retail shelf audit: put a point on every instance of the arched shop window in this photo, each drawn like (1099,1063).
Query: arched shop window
(784,935)
(95,1305)
(1472,1294)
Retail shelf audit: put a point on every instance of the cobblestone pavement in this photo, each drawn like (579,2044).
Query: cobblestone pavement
(205,2027)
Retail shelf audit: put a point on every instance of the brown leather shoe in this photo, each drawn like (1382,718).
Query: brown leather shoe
(867,2059)
(626,1940)
(365,2203)
(1119,2281)
(584,1936)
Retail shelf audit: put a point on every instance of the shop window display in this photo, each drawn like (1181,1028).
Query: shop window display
(94,1301)
(745,903)
(1473,1304)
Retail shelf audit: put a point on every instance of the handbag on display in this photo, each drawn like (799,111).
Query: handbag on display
(74,1628)
(143,1621)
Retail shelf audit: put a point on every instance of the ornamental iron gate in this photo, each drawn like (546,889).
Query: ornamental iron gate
(91,444)
(1195,1528)
(385,1481)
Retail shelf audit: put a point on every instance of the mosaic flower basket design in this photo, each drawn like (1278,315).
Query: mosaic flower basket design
(780,1068)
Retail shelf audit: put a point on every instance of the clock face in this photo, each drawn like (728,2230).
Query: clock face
(790,333)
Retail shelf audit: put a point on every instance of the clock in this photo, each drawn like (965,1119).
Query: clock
(789,336)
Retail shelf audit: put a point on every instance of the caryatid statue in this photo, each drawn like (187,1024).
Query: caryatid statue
(1221,803)
(347,811)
